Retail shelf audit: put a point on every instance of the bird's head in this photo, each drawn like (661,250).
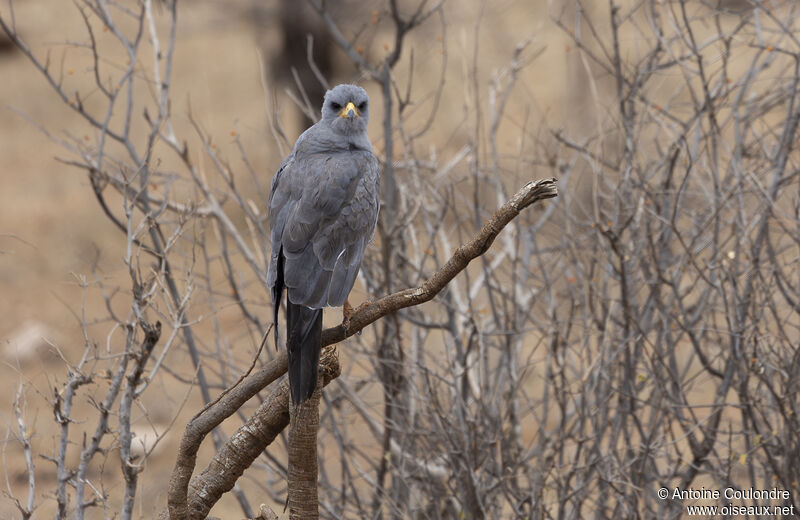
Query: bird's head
(346,109)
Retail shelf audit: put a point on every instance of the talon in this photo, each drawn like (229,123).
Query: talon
(347,312)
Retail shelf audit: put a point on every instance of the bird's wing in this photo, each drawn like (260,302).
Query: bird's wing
(323,209)
(280,203)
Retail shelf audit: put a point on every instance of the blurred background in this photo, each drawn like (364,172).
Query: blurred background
(640,330)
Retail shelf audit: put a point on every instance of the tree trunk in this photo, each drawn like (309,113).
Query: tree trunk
(303,426)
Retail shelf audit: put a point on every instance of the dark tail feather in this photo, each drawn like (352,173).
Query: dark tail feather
(277,294)
(303,343)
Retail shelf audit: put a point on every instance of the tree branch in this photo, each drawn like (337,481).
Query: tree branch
(244,446)
(181,502)
(531,193)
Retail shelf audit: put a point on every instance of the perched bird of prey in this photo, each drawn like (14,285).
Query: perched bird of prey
(323,208)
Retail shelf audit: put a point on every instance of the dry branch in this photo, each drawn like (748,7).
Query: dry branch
(179,501)
(246,445)
(529,194)
(207,420)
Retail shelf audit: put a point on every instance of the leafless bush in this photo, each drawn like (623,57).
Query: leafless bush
(640,333)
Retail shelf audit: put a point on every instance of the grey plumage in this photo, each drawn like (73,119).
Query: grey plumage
(323,208)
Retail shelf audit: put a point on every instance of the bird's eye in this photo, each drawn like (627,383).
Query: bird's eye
(335,106)
(362,106)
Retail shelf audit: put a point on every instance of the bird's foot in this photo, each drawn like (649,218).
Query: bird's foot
(348,312)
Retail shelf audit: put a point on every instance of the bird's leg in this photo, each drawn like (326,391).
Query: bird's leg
(348,311)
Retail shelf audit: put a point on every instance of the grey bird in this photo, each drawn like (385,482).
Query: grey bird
(323,208)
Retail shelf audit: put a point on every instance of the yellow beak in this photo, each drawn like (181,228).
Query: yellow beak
(350,107)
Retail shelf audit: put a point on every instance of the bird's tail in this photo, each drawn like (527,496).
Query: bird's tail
(303,343)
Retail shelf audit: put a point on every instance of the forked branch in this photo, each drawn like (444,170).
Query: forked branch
(212,416)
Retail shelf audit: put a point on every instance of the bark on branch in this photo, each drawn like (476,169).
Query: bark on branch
(190,501)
